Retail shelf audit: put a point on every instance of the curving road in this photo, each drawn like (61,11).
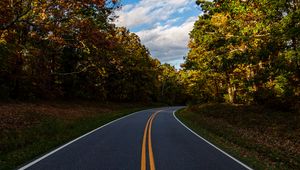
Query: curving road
(149,139)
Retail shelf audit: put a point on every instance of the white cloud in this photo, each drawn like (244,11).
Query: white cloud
(183,9)
(159,26)
(168,42)
(148,12)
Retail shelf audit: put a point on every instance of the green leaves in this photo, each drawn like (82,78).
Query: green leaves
(244,42)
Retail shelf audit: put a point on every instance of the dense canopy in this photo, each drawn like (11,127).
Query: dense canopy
(241,51)
(244,51)
(71,49)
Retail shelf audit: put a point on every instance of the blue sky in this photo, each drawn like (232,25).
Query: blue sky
(162,25)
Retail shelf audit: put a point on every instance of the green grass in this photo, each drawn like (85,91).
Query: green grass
(22,144)
(261,138)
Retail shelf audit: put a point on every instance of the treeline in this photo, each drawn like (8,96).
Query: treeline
(241,51)
(246,51)
(71,49)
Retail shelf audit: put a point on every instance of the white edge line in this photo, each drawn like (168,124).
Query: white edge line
(63,146)
(211,143)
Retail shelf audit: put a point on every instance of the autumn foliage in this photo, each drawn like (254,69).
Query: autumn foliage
(71,49)
(246,52)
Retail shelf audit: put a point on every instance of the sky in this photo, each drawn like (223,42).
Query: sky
(162,25)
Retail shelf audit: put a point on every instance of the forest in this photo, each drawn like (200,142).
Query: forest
(246,52)
(66,68)
(65,50)
(240,52)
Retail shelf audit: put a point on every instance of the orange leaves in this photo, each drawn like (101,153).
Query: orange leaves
(99,2)
(5,12)
(65,38)
(57,39)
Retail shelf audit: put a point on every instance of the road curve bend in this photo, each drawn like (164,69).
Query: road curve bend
(146,140)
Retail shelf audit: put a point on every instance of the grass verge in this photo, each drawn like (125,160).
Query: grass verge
(28,130)
(261,138)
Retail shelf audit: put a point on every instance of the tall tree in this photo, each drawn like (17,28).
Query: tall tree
(238,44)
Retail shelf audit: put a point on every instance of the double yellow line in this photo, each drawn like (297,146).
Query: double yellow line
(147,130)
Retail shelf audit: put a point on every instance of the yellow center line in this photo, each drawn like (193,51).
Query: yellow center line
(148,129)
(151,157)
(143,160)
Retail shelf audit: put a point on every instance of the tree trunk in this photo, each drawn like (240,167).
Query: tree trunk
(231,89)
(231,93)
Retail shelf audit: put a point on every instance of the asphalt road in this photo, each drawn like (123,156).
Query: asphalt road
(149,139)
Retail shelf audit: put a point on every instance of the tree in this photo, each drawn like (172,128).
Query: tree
(239,45)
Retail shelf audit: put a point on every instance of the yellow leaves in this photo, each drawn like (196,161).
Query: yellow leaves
(240,69)
(2,41)
(85,48)
(43,15)
(243,47)
(219,19)
(2,38)
(238,48)
(101,71)
(192,43)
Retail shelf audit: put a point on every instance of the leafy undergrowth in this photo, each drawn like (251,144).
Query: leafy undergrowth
(262,138)
(28,130)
